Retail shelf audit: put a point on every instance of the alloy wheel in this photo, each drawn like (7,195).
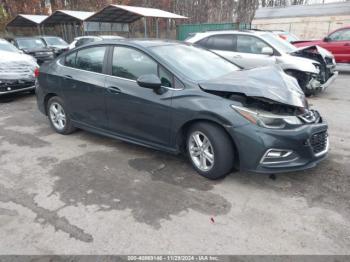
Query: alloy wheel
(201,151)
(57,116)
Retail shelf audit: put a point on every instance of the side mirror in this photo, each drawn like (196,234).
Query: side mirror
(326,39)
(267,50)
(149,81)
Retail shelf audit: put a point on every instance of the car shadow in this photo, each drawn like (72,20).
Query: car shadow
(12,97)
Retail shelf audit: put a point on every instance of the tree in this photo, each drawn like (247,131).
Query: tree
(245,11)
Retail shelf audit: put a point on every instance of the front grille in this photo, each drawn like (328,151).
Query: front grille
(319,142)
(6,86)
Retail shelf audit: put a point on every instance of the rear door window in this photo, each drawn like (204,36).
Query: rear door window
(219,42)
(91,59)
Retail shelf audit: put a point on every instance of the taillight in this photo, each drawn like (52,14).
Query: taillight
(36,72)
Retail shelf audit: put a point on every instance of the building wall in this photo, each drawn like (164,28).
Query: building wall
(304,27)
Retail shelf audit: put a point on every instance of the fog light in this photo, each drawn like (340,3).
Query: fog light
(278,153)
(275,156)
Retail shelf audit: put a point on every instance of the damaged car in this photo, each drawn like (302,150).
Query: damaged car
(314,68)
(17,70)
(180,98)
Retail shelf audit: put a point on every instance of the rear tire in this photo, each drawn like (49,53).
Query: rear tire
(58,117)
(210,150)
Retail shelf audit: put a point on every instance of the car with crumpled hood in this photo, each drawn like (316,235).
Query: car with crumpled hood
(313,67)
(17,72)
(180,98)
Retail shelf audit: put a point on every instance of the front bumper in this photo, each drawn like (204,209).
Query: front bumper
(253,143)
(330,80)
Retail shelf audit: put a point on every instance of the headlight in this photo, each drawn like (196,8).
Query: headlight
(267,120)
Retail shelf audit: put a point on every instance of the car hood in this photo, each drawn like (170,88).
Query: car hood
(265,82)
(16,66)
(320,50)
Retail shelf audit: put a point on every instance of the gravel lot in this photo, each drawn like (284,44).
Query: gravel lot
(86,194)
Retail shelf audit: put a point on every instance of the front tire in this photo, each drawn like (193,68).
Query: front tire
(59,119)
(210,150)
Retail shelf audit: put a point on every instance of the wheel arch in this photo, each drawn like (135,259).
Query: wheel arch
(183,131)
(46,100)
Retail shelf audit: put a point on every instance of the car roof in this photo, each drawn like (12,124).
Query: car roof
(340,28)
(145,43)
(111,36)
(200,35)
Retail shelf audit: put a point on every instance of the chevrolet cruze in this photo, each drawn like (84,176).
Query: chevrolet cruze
(180,98)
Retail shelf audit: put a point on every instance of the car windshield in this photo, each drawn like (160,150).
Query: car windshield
(194,62)
(278,43)
(30,43)
(6,46)
(55,41)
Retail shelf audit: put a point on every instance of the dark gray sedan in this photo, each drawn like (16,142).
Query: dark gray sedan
(184,99)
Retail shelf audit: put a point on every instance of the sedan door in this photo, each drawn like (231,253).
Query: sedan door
(84,86)
(134,112)
(249,52)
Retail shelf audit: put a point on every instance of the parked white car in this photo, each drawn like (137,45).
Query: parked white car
(17,70)
(313,67)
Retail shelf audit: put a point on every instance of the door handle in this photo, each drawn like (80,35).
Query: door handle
(68,76)
(237,56)
(347,44)
(114,90)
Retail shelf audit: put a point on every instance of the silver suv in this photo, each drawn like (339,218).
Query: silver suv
(312,66)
